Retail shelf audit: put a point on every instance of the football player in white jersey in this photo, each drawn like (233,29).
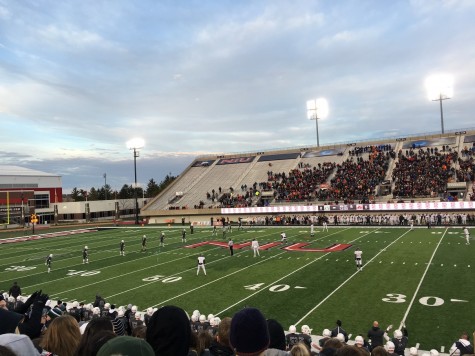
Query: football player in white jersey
(467,235)
(358,259)
(201,264)
(255,247)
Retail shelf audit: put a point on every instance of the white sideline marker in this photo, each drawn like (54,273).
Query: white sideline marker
(459,300)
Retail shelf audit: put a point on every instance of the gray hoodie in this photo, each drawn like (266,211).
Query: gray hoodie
(20,344)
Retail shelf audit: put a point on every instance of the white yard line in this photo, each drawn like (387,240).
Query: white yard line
(346,281)
(213,281)
(422,280)
(278,280)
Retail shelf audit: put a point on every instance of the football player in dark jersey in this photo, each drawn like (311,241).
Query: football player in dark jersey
(183,236)
(122,248)
(49,259)
(144,243)
(85,255)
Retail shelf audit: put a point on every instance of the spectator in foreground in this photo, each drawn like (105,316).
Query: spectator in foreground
(221,346)
(277,343)
(126,345)
(62,336)
(18,345)
(169,332)
(93,327)
(97,341)
(249,334)
(299,349)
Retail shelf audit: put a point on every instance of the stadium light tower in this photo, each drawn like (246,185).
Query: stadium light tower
(136,144)
(317,109)
(440,87)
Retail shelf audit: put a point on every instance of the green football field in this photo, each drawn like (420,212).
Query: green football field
(422,277)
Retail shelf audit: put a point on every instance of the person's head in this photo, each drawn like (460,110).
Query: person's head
(292,329)
(340,337)
(223,331)
(276,334)
(413,351)
(338,322)
(169,331)
(326,333)
(204,340)
(348,350)
(5,351)
(299,349)
(140,331)
(249,334)
(464,335)
(96,342)
(126,345)
(390,347)
(306,330)
(3,302)
(332,343)
(93,327)
(62,336)
(398,334)
(359,341)
(379,351)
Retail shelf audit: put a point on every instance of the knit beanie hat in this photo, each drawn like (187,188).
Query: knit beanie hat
(169,332)
(9,321)
(55,312)
(249,334)
(126,345)
(277,335)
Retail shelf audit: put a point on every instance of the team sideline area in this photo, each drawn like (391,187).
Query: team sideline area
(421,278)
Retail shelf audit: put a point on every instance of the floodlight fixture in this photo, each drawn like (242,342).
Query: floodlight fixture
(440,87)
(136,144)
(317,109)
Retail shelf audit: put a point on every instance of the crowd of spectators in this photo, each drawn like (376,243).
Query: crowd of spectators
(300,184)
(357,177)
(424,172)
(419,172)
(40,328)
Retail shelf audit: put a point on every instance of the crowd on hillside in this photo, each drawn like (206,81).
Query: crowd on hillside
(33,326)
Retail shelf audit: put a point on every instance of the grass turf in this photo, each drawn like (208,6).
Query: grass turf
(422,277)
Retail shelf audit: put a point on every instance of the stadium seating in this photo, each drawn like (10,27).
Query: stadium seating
(376,171)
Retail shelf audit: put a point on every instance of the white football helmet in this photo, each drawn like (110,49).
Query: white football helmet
(434,352)
(85,247)
(292,329)
(359,340)
(306,329)
(340,337)
(326,333)
(134,309)
(390,346)
(398,334)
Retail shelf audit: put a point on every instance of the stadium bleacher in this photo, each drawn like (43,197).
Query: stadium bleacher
(367,172)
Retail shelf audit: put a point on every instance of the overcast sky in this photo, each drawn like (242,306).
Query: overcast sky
(78,79)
